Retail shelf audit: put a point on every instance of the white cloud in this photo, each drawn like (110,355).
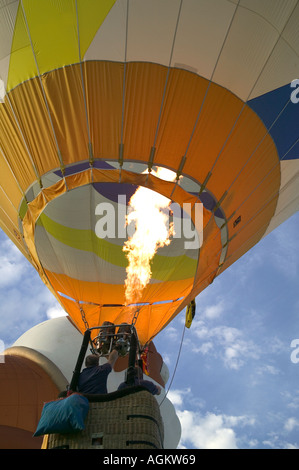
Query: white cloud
(292,399)
(291,446)
(177,396)
(275,442)
(226,343)
(206,430)
(25,300)
(214,311)
(172,333)
(253,443)
(55,312)
(10,272)
(210,431)
(206,347)
(268,369)
(291,424)
(12,265)
(239,420)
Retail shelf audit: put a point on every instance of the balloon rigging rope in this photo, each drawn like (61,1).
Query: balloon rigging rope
(176,364)
(43,93)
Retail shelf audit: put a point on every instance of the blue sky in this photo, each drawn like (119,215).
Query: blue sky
(235,385)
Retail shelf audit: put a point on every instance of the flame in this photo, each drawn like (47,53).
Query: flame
(152,231)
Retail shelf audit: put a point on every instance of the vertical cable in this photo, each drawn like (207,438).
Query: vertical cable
(43,92)
(14,176)
(121,146)
(24,141)
(90,150)
(211,77)
(165,88)
(176,365)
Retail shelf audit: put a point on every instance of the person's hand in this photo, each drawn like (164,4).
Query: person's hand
(113,357)
(118,346)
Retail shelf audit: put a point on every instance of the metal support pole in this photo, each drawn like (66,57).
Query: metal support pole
(132,360)
(76,373)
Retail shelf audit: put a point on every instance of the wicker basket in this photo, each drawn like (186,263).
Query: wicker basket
(129,420)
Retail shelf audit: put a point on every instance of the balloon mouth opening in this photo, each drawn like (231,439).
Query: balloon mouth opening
(123,305)
(136,168)
(109,178)
(75,231)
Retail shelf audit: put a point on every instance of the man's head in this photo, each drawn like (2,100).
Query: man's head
(92,360)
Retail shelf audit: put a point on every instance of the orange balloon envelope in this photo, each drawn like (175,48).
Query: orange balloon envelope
(94,94)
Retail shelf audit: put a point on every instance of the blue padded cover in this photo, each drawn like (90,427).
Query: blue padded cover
(64,415)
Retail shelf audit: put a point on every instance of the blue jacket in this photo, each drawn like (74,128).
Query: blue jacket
(145,383)
(94,379)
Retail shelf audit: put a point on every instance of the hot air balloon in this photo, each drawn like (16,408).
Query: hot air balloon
(97,96)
